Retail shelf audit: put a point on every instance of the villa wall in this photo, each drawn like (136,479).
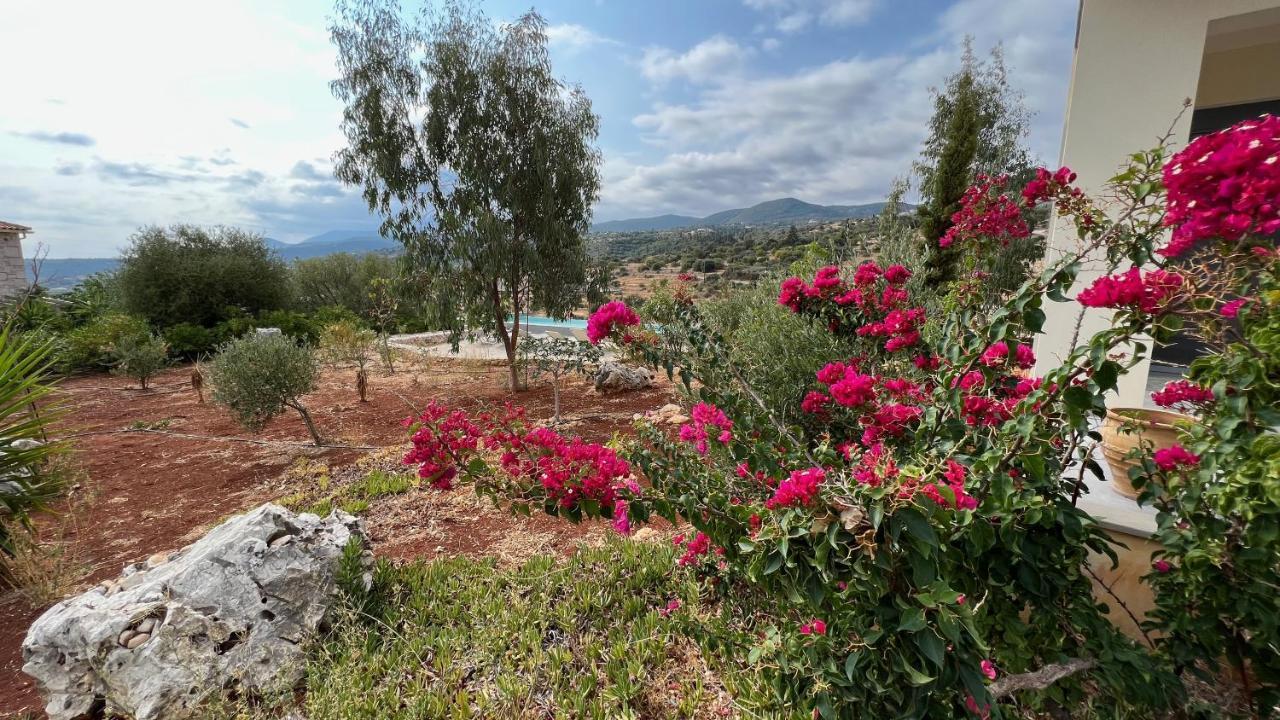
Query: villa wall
(13,272)
(1135,62)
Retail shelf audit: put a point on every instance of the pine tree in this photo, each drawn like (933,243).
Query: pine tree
(953,174)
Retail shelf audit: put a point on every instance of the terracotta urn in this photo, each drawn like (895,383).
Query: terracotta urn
(1127,428)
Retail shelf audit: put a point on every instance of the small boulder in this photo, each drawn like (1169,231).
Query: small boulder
(616,377)
(237,607)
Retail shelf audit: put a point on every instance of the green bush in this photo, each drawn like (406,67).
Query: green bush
(140,357)
(257,376)
(93,346)
(192,274)
(189,341)
(299,326)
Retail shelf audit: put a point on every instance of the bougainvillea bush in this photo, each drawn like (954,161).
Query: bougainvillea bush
(913,547)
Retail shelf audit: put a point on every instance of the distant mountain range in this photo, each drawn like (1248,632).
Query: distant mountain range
(65,273)
(784,211)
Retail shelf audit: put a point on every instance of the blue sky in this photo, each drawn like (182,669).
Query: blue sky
(124,114)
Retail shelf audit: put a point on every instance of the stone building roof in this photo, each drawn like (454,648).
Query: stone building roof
(13,227)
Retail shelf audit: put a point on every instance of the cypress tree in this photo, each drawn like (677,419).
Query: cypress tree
(951,178)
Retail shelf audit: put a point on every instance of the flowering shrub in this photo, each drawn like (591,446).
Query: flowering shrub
(914,543)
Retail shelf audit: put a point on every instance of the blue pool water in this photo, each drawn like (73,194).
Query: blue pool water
(546,322)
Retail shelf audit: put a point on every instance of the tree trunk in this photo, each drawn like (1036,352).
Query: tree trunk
(509,337)
(555,393)
(311,426)
(362,384)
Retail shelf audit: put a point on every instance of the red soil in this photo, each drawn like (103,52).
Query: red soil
(145,492)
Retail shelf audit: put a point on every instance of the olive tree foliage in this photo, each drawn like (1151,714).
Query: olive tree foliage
(478,159)
(191,274)
(140,357)
(257,376)
(555,359)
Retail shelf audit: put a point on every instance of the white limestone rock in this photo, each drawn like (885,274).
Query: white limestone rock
(616,377)
(237,607)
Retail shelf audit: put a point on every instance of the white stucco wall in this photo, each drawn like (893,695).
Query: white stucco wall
(1135,63)
(13,277)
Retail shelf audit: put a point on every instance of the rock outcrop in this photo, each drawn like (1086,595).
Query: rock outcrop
(616,377)
(236,608)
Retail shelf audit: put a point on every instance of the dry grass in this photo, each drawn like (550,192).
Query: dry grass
(42,570)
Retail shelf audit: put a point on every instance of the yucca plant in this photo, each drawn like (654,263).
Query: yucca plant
(26,485)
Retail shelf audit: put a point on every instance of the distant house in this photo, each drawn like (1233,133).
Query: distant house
(13,270)
(1135,63)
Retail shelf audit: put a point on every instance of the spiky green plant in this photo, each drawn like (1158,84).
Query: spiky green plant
(26,485)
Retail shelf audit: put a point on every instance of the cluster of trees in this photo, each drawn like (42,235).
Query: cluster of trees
(182,291)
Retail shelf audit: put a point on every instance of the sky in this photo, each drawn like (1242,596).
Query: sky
(124,114)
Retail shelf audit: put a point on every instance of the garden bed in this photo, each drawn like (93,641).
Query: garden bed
(157,468)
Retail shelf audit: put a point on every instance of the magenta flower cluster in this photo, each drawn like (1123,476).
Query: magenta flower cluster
(1224,185)
(609,318)
(1134,289)
(706,420)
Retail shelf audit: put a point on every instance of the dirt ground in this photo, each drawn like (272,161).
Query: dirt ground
(157,470)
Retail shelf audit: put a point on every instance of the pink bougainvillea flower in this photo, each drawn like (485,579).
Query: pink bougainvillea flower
(1170,458)
(896,274)
(798,490)
(1224,185)
(1047,184)
(996,354)
(1162,566)
(1133,289)
(814,627)
(1232,309)
(1181,391)
(621,518)
(988,670)
(609,317)
(1024,357)
(986,212)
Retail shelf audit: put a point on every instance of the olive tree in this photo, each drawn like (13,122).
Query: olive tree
(555,359)
(140,357)
(477,158)
(259,375)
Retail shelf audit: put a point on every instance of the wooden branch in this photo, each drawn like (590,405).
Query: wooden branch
(1039,679)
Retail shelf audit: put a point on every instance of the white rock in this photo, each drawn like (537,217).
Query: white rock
(227,609)
(616,377)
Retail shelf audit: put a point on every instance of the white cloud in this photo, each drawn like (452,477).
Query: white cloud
(834,133)
(574,37)
(792,16)
(186,127)
(770,44)
(713,60)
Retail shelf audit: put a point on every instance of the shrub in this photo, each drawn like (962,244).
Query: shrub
(93,346)
(915,548)
(257,376)
(189,341)
(339,280)
(191,274)
(345,343)
(140,357)
(296,325)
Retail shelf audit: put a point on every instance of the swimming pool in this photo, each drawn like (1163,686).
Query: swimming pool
(546,323)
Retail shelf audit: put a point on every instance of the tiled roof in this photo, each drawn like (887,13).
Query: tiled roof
(13,227)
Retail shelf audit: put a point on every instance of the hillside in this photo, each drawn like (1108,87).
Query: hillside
(783,211)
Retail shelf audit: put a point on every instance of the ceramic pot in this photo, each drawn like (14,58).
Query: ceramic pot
(1127,428)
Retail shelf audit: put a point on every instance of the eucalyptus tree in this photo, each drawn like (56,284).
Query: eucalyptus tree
(476,157)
